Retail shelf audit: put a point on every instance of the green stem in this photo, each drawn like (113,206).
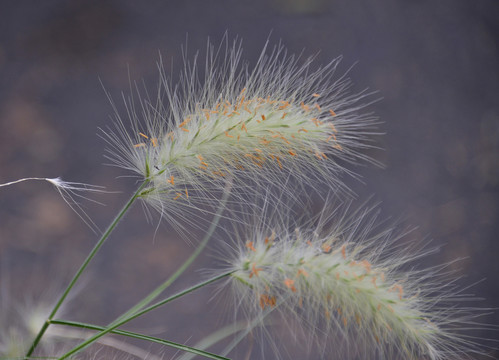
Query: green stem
(141,337)
(142,312)
(156,292)
(84,265)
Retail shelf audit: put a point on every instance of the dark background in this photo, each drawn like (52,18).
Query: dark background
(434,63)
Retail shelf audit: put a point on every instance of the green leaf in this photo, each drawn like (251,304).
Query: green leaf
(142,337)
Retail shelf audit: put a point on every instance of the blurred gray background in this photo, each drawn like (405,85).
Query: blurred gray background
(434,63)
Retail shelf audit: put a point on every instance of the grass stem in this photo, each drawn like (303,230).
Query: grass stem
(83,266)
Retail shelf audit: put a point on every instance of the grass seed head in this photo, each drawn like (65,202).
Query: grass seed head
(352,283)
(254,125)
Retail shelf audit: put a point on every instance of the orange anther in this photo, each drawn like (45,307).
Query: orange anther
(249,245)
(243,127)
(259,164)
(184,129)
(343,251)
(367,265)
(320,155)
(267,300)
(186,193)
(227,134)
(292,153)
(242,96)
(278,161)
(178,195)
(326,248)
(304,107)
(143,135)
(183,123)
(284,115)
(318,107)
(302,272)
(154,142)
(316,121)
(262,301)
(290,284)
(139,145)
(332,113)
(284,105)
(302,129)
(315,95)
(219,173)
(399,289)
(254,271)
(172,180)
(263,117)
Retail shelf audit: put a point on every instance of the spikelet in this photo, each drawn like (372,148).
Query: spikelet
(351,284)
(255,126)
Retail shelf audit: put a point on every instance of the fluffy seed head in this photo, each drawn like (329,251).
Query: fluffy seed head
(348,282)
(253,125)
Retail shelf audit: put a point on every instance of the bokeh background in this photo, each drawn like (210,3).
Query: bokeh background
(434,64)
